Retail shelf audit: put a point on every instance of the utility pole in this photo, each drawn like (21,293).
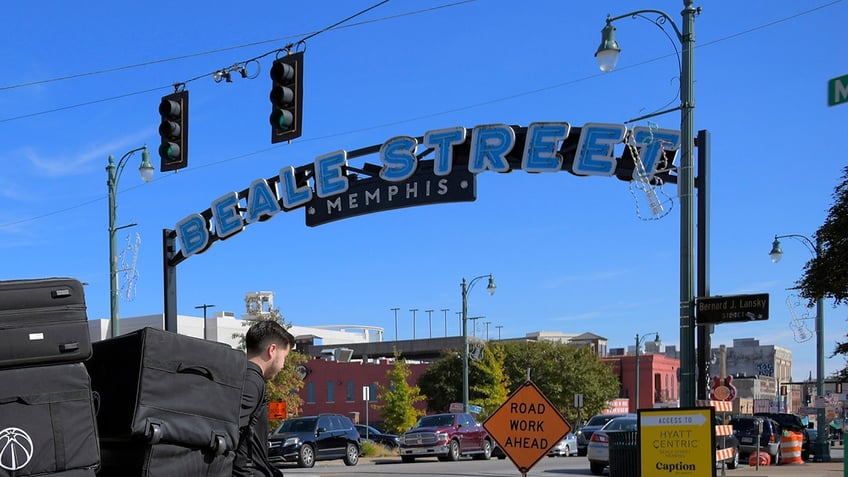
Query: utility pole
(413,310)
(499,331)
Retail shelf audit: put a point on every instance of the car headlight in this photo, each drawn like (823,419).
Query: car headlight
(441,436)
(292,441)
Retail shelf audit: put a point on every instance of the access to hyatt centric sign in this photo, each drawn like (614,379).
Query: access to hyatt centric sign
(677,442)
(331,188)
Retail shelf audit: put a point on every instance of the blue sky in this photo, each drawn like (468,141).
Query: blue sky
(568,253)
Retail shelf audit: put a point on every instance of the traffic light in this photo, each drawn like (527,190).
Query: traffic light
(287,98)
(173,131)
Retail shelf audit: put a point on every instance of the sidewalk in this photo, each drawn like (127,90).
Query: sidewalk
(807,469)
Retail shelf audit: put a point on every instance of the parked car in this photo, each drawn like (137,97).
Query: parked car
(565,447)
(446,436)
(371,433)
(794,423)
(728,442)
(746,428)
(584,434)
(598,450)
(307,439)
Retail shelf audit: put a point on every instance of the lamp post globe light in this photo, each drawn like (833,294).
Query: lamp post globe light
(466,287)
(821,452)
(607,56)
(639,341)
(113,175)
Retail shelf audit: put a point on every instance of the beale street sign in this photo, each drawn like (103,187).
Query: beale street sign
(439,167)
(732,308)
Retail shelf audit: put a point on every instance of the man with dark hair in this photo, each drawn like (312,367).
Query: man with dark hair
(268,344)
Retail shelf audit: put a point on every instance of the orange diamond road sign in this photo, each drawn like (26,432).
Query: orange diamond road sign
(526,426)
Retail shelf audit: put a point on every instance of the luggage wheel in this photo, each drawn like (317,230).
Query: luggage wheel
(154,433)
(219,445)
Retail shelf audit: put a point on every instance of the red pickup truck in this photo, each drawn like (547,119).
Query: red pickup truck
(447,437)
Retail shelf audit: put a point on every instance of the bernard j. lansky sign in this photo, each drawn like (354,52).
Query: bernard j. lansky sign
(330,188)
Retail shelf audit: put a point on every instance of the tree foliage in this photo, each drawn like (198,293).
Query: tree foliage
(399,411)
(488,386)
(287,384)
(826,276)
(560,371)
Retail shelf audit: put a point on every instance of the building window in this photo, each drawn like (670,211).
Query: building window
(373,391)
(350,391)
(330,397)
(310,393)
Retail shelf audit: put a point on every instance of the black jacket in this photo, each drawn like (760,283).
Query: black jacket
(252,450)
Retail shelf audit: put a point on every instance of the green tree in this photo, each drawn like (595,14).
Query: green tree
(399,411)
(560,371)
(488,385)
(826,276)
(287,384)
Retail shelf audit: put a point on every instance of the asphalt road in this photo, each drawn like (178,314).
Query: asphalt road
(545,467)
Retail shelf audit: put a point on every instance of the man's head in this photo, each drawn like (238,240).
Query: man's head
(268,344)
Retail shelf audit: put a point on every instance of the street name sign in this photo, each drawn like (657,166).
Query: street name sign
(732,308)
(526,426)
(837,91)
(677,442)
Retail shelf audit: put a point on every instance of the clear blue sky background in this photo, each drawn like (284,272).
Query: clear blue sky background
(83,81)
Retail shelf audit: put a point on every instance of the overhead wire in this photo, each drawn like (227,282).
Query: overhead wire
(430,115)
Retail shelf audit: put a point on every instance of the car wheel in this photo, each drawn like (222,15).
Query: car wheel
(734,461)
(568,452)
(487,451)
(453,451)
(596,468)
(406,459)
(351,456)
(306,456)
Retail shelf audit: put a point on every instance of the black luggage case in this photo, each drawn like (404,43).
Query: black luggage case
(42,321)
(47,423)
(132,459)
(158,386)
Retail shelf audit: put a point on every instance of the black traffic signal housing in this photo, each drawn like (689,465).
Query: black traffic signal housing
(173,131)
(287,98)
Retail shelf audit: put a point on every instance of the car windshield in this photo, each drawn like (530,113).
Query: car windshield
(439,420)
(621,424)
(599,420)
(297,425)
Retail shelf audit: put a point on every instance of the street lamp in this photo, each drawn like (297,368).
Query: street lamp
(113,175)
(639,341)
(466,287)
(204,306)
(395,310)
(607,56)
(822,451)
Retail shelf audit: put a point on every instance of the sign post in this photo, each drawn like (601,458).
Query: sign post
(526,426)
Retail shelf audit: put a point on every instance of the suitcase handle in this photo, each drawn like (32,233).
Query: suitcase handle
(195,369)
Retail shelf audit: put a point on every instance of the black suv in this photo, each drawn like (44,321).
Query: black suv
(307,439)
(791,422)
(746,429)
(727,442)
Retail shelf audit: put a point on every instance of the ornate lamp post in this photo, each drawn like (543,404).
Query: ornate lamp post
(114,174)
(466,287)
(639,341)
(607,56)
(821,451)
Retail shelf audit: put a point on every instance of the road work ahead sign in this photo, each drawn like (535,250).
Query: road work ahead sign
(526,426)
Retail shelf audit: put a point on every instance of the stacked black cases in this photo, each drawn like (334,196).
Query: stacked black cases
(166,400)
(47,424)
(42,321)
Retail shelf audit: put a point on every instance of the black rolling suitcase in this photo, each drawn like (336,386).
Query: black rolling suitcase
(134,459)
(161,387)
(47,423)
(42,321)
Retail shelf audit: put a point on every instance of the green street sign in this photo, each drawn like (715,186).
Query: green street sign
(837,91)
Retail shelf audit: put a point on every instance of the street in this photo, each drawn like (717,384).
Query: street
(547,466)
